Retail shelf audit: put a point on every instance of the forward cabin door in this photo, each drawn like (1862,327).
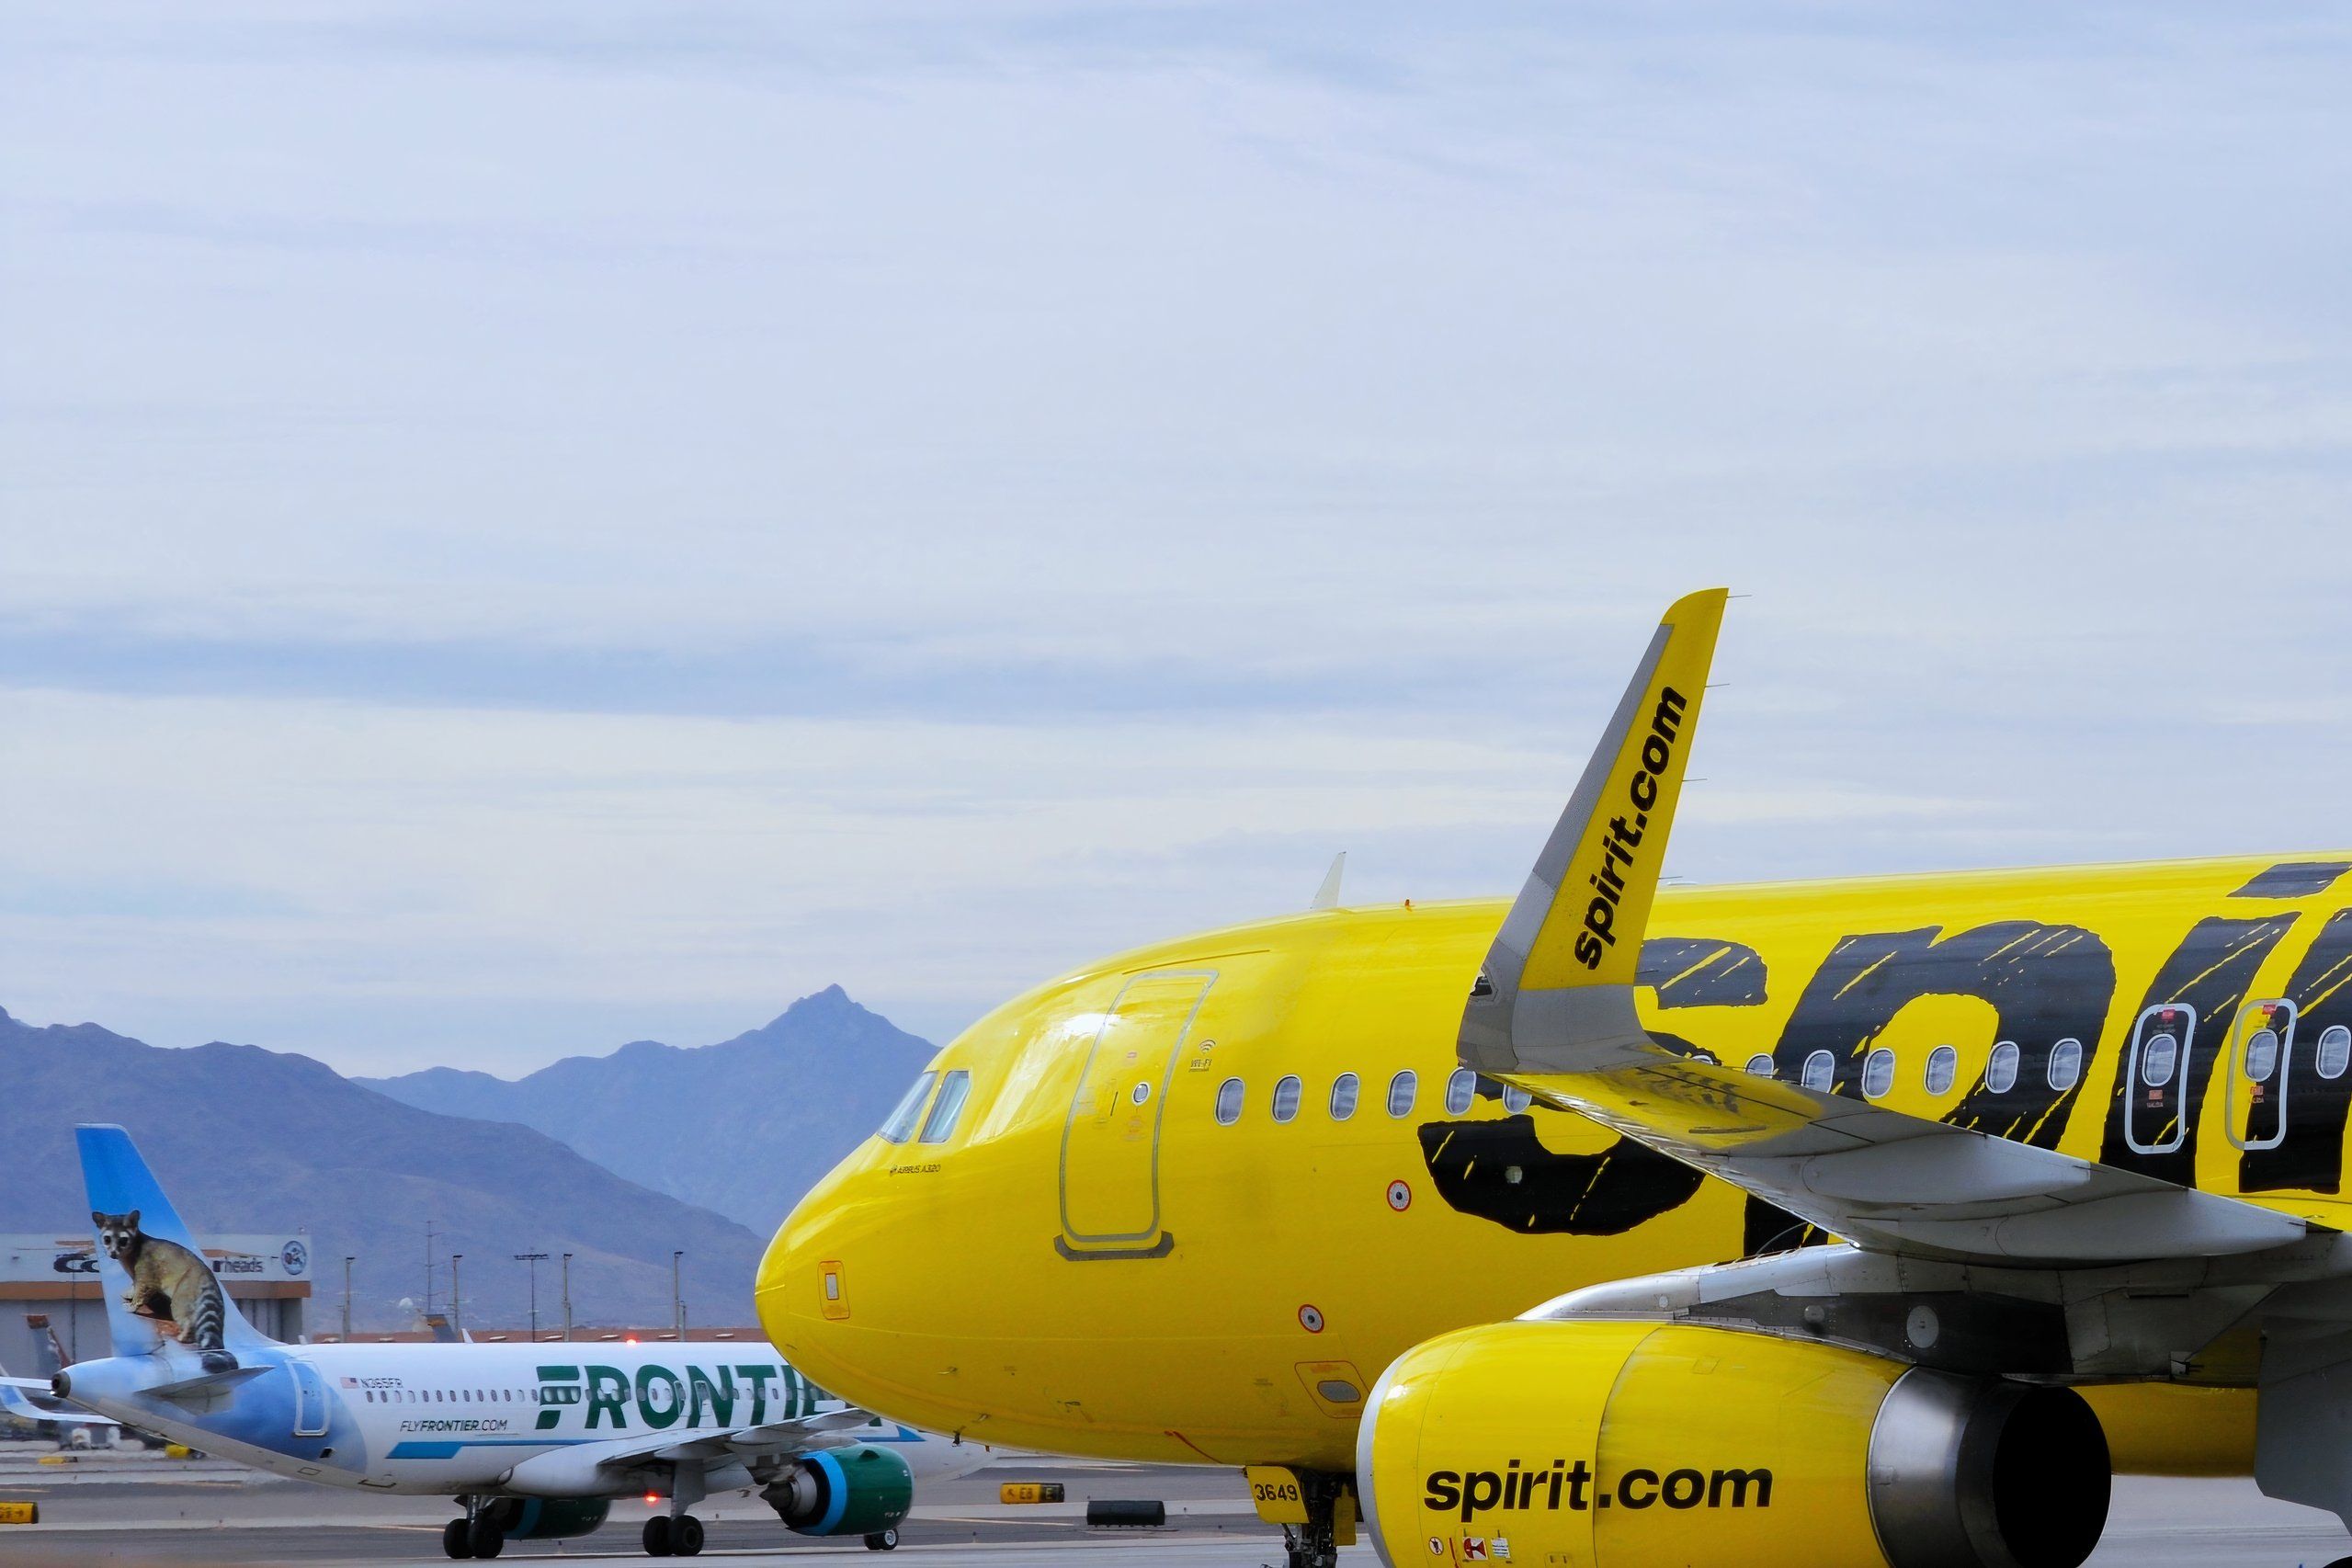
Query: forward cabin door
(1110,1144)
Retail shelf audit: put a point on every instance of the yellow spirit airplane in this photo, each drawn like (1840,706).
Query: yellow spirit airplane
(2020,1178)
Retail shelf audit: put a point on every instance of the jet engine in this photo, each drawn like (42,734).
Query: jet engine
(1616,1441)
(546,1518)
(861,1490)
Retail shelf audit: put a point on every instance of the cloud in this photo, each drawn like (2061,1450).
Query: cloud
(581,520)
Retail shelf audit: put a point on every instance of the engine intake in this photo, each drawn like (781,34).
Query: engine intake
(1618,1441)
(861,1490)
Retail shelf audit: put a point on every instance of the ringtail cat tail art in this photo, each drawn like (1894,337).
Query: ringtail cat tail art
(161,1294)
(168,1283)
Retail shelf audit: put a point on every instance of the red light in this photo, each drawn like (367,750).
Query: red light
(652,1498)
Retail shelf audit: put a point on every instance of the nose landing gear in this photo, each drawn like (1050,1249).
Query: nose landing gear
(1315,1544)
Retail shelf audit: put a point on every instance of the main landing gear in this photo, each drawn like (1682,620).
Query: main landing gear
(476,1535)
(672,1535)
(883,1540)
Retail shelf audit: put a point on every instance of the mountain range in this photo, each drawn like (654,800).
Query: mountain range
(663,1149)
(743,1127)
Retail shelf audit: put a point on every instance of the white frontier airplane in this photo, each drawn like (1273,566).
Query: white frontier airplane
(535,1440)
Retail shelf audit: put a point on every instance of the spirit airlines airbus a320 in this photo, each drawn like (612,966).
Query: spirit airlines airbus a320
(533,1440)
(2017,1178)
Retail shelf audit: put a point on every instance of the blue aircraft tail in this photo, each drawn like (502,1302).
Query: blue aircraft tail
(160,1287)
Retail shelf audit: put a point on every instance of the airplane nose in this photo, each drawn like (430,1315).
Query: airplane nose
(806,1286)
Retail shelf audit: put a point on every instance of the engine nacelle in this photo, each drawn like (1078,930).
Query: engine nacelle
(1640,1442)
(547,1519)
(862,1490)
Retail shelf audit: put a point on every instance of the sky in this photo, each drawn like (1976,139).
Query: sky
(528,527)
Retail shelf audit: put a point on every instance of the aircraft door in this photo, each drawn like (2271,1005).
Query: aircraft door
(1111,1144)
(2262,1044)
(309,1400)
(2157,1092)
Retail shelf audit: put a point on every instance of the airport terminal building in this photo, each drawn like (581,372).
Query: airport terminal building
(55,1275)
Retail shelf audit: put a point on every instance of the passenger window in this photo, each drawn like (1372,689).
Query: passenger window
(1286,1097)
(1943,1066)
(2334,1051)
(1229,1102)
(2001,1070)
(1821,1071)
(901,1119)
(1343,1097)
(2157,1058)
(954,1089)
(1760,1064)
(1516,1099)
(2261,1055)
(2066,1065)
(1877,1073)
(1402,1089)
(1461,1088)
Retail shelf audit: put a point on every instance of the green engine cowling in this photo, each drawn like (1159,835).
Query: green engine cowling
(547,1519)
(854,1491)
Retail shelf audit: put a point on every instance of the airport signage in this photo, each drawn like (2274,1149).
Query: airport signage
(38,1257)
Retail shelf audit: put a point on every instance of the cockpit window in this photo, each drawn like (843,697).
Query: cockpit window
(954,1089)
(901,1120)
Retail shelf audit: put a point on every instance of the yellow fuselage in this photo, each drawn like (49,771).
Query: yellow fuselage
(1092,1261)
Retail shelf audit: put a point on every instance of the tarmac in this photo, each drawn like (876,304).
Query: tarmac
(137,1508)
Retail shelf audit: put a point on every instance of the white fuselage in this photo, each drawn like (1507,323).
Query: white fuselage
(459,1418)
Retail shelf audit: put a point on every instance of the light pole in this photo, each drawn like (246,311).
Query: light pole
(567,1297)
(457,1296)
(677,1298)
(534,1259)
(347,1298)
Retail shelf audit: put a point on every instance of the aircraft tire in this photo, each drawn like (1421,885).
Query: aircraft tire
(883,1540)
(657,1536)
(456,1538)
(685,1535)
(488,1539)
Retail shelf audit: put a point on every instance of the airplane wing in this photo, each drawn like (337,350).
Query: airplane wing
(776,1437)
(1553,1013)
(587,1468)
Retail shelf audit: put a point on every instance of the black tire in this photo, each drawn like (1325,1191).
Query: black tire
(489,1540)
(685,1535)
(883,1540)
(657,1536)
(456,1538)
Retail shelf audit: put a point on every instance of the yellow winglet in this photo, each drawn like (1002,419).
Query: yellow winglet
(1560,975)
